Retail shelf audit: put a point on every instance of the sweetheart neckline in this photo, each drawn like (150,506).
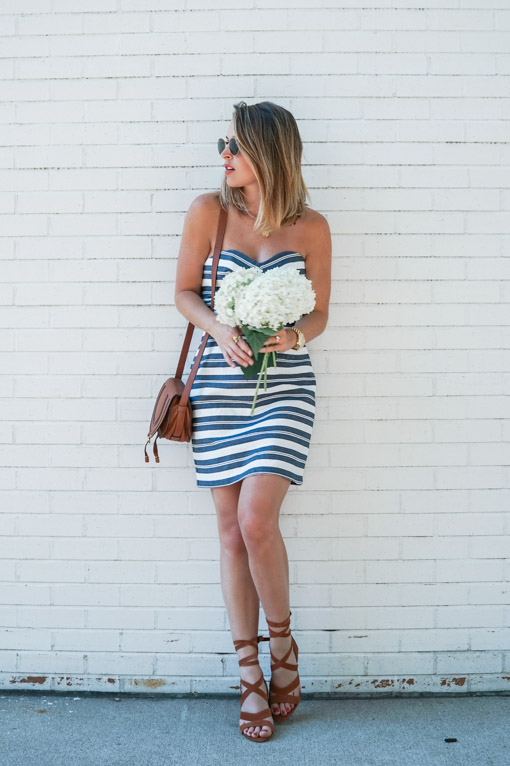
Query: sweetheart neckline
(260,263)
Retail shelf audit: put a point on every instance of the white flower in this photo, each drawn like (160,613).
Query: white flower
(229,291)
(275,298)
(259,300)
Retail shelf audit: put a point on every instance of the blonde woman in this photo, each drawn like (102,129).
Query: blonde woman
(249,462)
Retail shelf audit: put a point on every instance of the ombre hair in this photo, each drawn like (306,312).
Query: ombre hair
(268,136)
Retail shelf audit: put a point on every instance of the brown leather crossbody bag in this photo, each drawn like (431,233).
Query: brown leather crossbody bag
(172,415)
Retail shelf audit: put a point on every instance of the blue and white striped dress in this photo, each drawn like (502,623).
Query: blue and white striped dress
(228,443)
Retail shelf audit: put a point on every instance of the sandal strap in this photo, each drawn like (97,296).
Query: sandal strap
(259,718)
(256,717)
(250,659)
(282,661)
(256,720)
(284,624)
(283,693)
(255,688)
(263,717)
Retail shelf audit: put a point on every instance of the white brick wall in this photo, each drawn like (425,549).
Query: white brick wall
(398,539)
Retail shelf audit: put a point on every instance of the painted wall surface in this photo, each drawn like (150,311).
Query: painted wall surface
(398,539)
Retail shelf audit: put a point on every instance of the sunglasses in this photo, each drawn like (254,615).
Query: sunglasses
(232,145)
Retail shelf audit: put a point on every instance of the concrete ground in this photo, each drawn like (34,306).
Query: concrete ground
(91,730)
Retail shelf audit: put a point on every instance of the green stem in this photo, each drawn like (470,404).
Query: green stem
(262,370)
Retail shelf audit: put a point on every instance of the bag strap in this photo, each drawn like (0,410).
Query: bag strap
(222,222)
(185,349)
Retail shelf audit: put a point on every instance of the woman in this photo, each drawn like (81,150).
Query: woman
(250,461)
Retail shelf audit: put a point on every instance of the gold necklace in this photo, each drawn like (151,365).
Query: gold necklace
(264,233)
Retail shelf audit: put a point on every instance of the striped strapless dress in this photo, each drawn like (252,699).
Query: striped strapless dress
(228,443)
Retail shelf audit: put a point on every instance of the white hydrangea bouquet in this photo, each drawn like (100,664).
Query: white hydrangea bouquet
(261,303)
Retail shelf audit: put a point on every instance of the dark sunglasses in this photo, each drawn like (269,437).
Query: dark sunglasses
(232,145)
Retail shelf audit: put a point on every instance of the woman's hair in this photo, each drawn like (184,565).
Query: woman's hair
(268,136)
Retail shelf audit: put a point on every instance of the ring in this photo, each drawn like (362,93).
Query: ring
(277,338)
(236,338)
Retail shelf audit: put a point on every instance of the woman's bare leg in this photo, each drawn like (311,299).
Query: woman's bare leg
(239,592)
(258,512)
(253,564)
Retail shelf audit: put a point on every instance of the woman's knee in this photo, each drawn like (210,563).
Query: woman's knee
(256,526)
(231,539)
(259,506)
(225,501)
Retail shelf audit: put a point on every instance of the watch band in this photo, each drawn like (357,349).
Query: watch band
(301,338)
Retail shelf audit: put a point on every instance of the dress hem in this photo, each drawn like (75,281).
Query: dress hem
(203,483)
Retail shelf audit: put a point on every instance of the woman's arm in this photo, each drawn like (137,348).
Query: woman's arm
(201,221)
(318,270)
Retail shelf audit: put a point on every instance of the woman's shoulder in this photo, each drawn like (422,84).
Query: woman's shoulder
(313,224)
(311,217)
(208,202)
(202,215)
(315,233)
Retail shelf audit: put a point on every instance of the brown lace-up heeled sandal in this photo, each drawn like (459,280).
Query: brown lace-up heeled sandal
(282,694)
(260,718)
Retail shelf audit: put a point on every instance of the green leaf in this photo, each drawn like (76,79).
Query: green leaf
(256,338)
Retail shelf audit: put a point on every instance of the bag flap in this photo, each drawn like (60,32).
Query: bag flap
(171,388)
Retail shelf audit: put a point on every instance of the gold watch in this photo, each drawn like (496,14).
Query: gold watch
(301,338)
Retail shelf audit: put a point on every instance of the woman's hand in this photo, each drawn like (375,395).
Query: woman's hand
(233,352)
(286,340)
